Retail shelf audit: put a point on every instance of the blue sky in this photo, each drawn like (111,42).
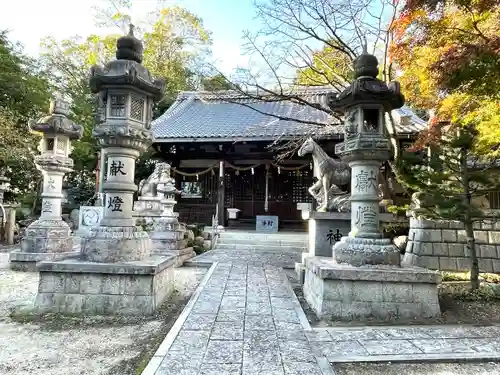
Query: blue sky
(31,20)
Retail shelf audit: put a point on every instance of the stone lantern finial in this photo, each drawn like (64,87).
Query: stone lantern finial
(366,64)
(128,47)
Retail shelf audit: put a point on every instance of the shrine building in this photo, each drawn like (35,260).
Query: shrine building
(223,148)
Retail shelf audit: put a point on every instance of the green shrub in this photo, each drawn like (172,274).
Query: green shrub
(465,276)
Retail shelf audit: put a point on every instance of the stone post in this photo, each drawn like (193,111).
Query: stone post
(49,237)
(125,97)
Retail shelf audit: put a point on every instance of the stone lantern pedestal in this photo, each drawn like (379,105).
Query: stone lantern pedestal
(115,273)
(168,236)
(49,237)
(363,278)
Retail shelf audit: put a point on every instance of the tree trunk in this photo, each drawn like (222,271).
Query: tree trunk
(471,250)
(468,226)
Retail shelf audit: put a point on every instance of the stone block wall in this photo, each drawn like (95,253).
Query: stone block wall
(441,245)
(132,292)
(351,293)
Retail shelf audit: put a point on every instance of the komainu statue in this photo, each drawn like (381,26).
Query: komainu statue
(331,174)
(148,187)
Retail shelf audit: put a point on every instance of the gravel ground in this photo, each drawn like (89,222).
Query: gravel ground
(90,346)
(418,369)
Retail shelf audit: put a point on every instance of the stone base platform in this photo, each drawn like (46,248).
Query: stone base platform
(346,292)
(180,255)
(73,286)
(21,261)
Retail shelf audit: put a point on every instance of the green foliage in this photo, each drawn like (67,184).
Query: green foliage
(487,292)
(330,66)
(465,276)
(25,91)
(398,210)
(25,95)
(216,83)
(449,176)
(391,230)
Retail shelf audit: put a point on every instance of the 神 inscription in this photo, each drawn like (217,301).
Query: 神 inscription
(366,216)
(47,206)
(333,237)
(115,203)
(365,182)
(117,167)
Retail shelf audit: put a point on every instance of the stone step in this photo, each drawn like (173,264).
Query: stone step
(226,246)
(258,241)
(245,235)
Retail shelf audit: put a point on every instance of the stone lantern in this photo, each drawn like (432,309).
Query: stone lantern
(126,94)
(49,237)
(168,234)
(115,273)
(364,277)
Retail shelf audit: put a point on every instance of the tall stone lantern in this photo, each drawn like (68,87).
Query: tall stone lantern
(365,147)
(116,272)
(49,237)
(364,278)
(126,94)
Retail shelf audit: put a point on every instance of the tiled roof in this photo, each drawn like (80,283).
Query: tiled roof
(230,115)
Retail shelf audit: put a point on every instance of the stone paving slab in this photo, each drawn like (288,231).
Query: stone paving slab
(254,257)
(406,343)
(242,319)
(245,319)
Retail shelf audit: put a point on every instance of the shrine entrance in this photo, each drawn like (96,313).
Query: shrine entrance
(245,189)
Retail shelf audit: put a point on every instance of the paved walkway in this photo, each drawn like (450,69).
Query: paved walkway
(254,257)
(242,320)
(408,343)
(246,320)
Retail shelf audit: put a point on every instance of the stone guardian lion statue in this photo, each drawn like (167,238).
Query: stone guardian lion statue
(148,187)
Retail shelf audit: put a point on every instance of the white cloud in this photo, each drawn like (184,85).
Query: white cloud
(227,56)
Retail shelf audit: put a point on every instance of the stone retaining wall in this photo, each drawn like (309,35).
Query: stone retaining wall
(440,245)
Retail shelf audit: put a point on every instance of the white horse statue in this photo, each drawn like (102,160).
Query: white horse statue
(330,174)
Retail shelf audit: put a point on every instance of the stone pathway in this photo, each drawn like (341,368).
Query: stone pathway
(246,320)
(243,320)
(253,257)
(408,343)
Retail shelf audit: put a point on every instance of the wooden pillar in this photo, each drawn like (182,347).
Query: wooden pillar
(220,195)
(10,225)
(266,199)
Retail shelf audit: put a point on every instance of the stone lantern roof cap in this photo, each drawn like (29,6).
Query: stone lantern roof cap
(365,65)
(57,121)
(128,47)
(367,89)
(126,70)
